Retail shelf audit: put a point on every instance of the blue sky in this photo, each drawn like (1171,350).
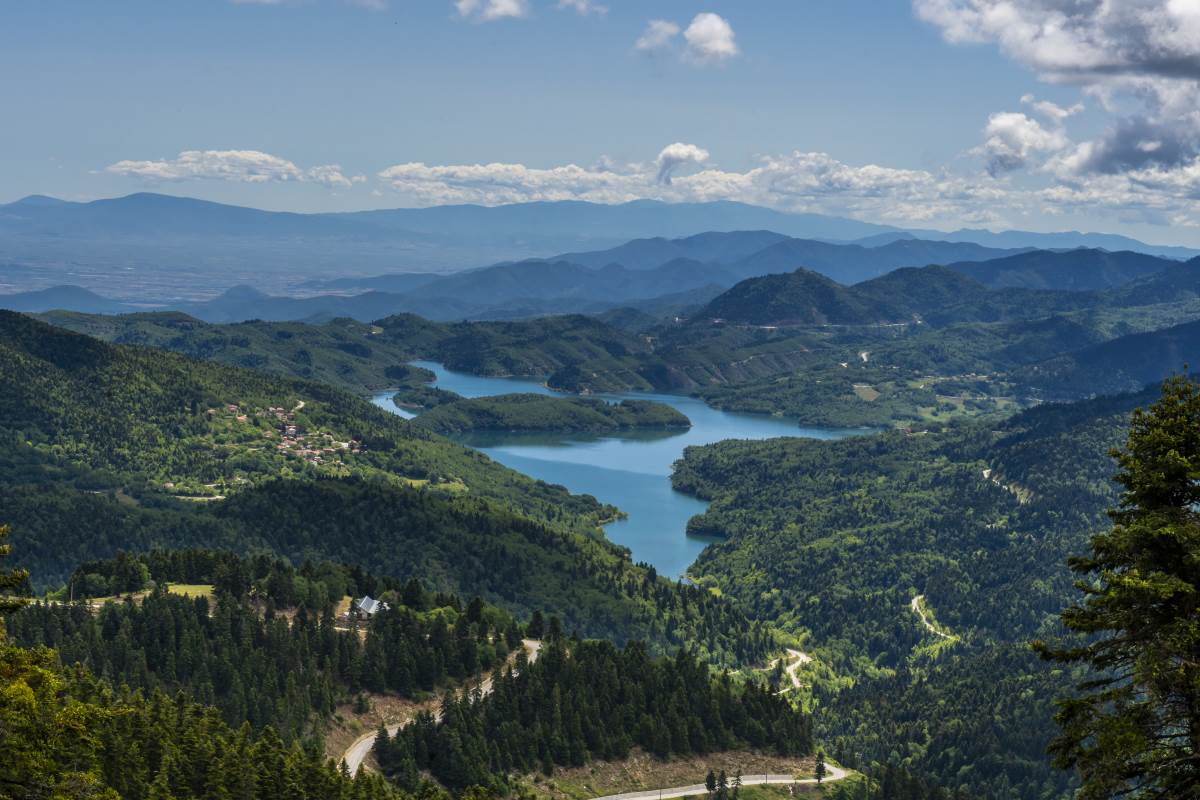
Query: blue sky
(900,112)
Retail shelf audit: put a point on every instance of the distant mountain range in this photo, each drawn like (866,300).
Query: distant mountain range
(1026,286)
(592,282)
(178,247)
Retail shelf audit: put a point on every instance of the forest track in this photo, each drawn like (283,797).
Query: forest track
(798,660)
(832,774)
(361,747)
(919,610)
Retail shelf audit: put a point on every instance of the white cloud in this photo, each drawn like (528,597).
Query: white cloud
(710,38)
(583,7)
(1083,41)
(797,181)
(488,10)
(243,166)
(657,37)
(676,155)
(1145,50)
(818,182)
(1051,111)
(1012,139)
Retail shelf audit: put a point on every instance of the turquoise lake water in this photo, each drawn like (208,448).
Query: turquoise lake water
(631,471)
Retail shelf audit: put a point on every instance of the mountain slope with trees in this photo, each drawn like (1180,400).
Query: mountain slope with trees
(833,540)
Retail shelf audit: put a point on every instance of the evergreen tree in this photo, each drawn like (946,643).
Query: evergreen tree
(536,626)
(1134,727)
(710,782)
(10,581)
(819,769)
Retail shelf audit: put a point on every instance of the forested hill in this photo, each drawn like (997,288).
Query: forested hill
(935,294)
(341,352)
(153,422)
(535,412)
(1083,269)
(263,642)
(112,448)
(852,542)
(1116,365)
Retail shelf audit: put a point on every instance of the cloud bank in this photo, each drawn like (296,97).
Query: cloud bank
(242,166)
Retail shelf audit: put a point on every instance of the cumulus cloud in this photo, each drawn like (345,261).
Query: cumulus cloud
(1136,143)
(658,36)
(1051,111)
(243,166)
(583,7)
(676,155)
(710,38)
(1012,139)
(1144,50)
(798,181)
(488,10)
(1082,40)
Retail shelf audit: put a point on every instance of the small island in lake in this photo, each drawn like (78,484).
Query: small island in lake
(536,412)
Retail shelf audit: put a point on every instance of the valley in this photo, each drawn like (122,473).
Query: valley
(629,471)
(849,506)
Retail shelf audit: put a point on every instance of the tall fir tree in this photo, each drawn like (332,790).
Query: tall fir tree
(1134,726)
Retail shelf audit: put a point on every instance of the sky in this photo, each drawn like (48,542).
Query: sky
(1033,114)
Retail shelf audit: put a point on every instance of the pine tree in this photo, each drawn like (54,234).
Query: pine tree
(819,769)
(1134,728)
(710,782)
(536,626)
(10,581)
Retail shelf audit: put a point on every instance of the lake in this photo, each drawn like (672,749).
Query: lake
(631,471)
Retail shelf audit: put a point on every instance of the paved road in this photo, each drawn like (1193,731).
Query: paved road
(358,751)
(832,774)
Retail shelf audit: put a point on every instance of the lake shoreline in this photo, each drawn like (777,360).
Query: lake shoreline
(629,469)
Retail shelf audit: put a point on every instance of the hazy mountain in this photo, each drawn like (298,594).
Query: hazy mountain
(1062,241)
(1117,365)
(851,263)
(398,283)
(73,298)
(1176,282)
(1073,270)
(246,303)
(153,247)
(935,295)
(712,247)
(160,216)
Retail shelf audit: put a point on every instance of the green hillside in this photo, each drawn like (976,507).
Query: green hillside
(111,448)
(536,412)
(842,542)
(344,353)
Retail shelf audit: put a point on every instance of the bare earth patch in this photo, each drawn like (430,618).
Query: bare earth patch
(644,771)
(346,726)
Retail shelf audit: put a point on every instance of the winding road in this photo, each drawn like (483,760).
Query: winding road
(832,774)
(356,754)
(798,660)
(929,626)
(361,747)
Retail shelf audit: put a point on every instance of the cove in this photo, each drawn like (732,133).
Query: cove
(631,471)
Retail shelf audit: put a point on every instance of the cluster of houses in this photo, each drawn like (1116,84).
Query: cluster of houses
(316,448)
